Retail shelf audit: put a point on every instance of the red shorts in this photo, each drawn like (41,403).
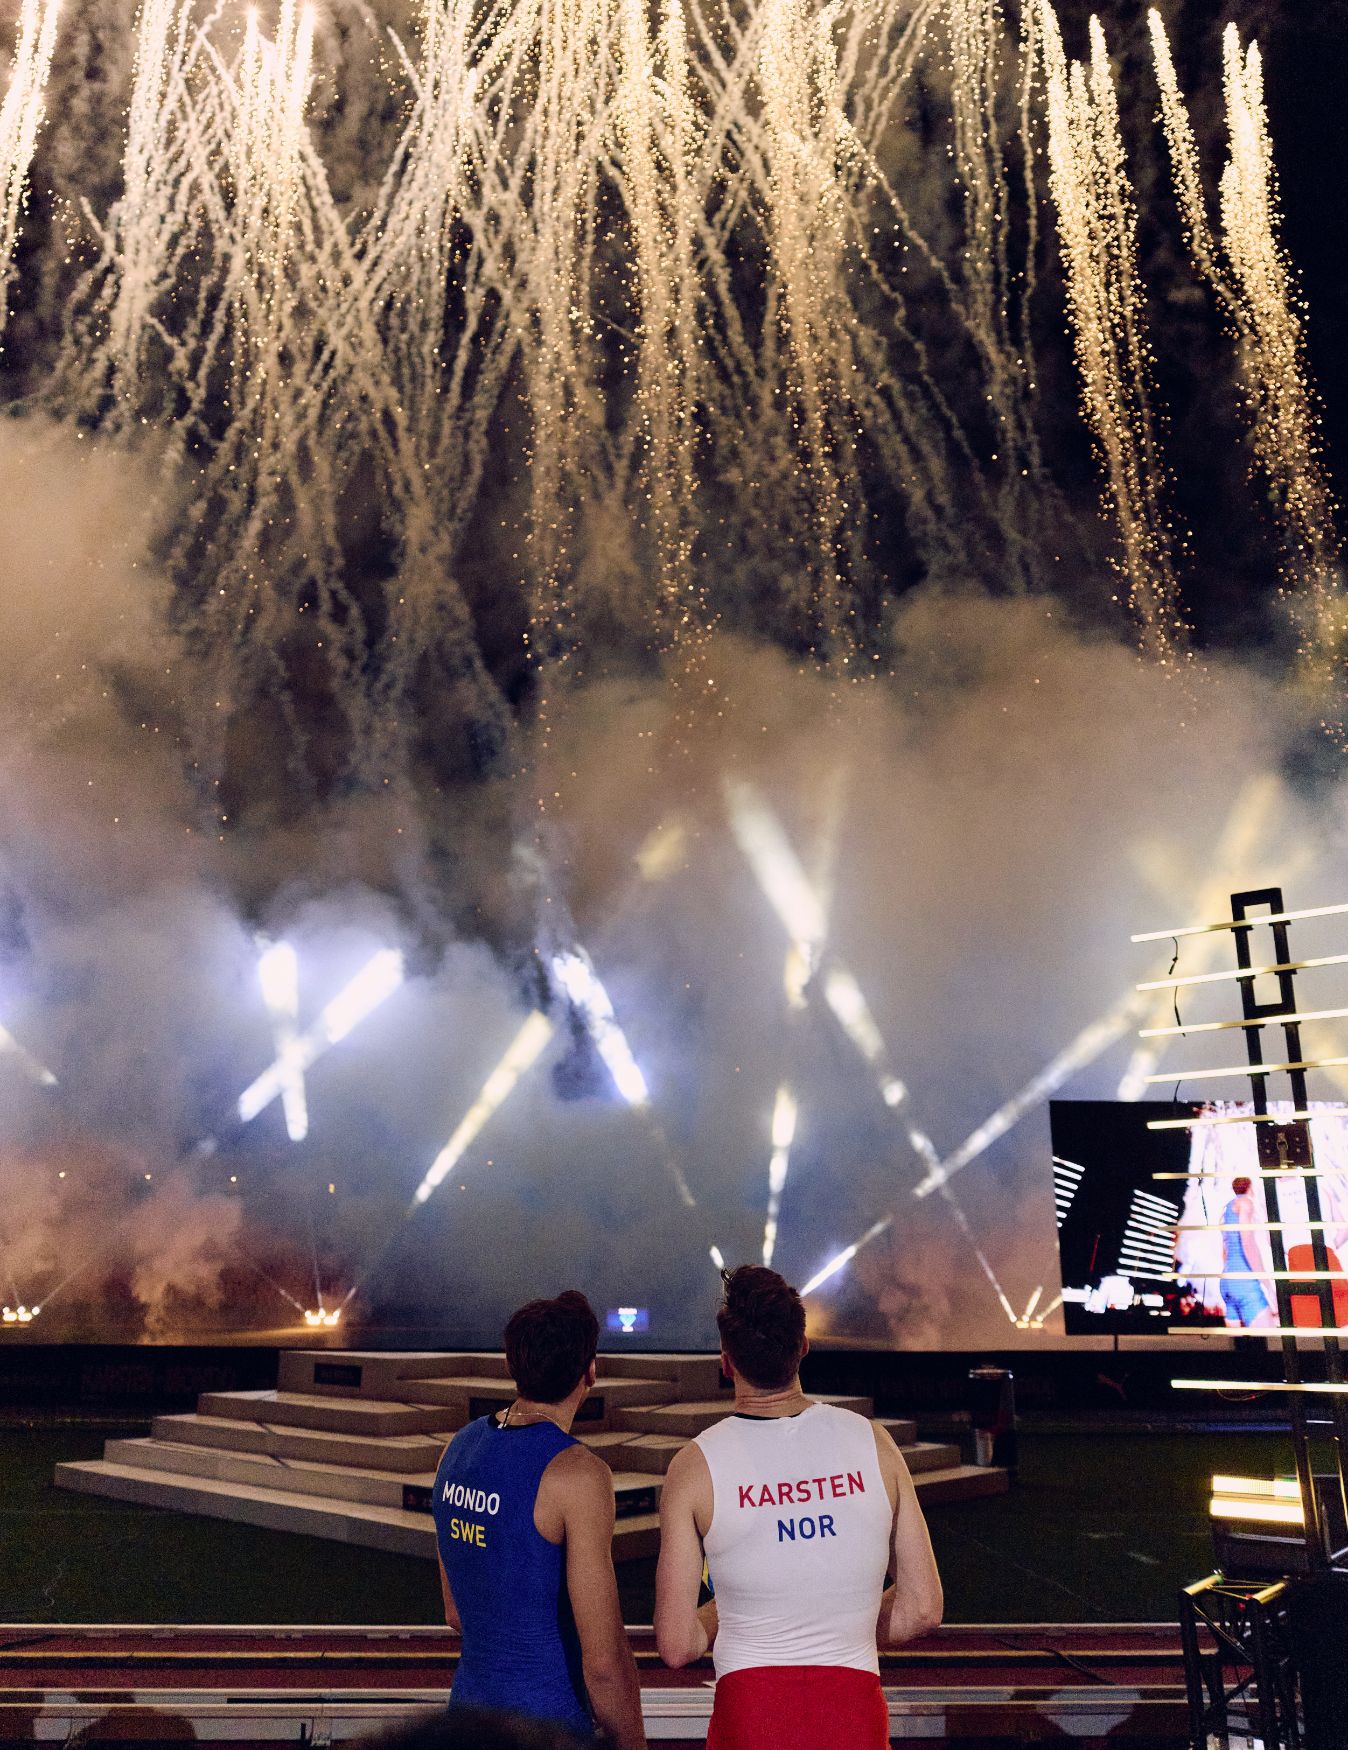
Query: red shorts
(799,1707)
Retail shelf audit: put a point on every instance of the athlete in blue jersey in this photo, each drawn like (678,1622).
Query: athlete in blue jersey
(524,1523)
(1247,1304)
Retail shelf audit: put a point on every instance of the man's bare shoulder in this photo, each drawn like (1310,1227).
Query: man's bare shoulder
(580,1474)
(687,1468)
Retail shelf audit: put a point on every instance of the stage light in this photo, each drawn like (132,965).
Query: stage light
(845,1257)
(278,971)
(373,984)
(788,889)
(585,991)
(717,1256)
(783,1134)
(19,1315)
(321,1316)
(1271,1488)
(522,1052)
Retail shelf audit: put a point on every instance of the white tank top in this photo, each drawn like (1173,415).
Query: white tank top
(799,1541)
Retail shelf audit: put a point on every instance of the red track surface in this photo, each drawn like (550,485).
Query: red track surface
(984,1685)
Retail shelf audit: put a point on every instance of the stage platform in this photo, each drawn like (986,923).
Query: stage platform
(983,1687)
(347,1444)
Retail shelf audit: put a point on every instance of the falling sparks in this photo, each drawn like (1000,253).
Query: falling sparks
(1097,224)
(1246,267)
(21,116)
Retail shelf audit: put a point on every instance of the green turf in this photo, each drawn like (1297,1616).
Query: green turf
(1098,1528)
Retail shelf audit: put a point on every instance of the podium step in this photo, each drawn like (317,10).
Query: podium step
(471,1396)
(334,1415)
(317,1501)
(377,1373)
(924,1456)
(689,1419)
(399,1453)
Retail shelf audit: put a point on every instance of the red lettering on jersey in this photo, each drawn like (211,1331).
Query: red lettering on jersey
(803,1489)
(856,1483)
(766,1497)
(746,1495)
(838,1486)
(819,1484)
(785,1494)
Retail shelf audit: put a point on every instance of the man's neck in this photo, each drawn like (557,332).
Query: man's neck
(789,1400)
(526,1410)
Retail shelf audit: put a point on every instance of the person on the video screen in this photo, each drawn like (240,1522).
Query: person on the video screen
(1248,1304)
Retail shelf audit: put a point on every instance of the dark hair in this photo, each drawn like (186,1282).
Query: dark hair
(762,1325)
(549,1344)
(471,1728)
(1240,1186)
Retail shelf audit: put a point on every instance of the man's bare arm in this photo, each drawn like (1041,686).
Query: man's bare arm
(915,1602)
(588,1512)
(683,1632)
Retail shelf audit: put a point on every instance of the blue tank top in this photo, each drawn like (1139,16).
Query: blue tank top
(520,1646)
(1233,1244)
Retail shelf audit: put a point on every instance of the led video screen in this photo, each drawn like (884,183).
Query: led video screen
(1167,1230)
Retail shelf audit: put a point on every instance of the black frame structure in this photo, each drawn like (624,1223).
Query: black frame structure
(1242,1658)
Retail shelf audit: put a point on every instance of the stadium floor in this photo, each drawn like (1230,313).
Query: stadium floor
(1098,1528)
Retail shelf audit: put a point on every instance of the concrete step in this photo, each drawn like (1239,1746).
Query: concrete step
(961,1482)
(377,1373)
(901,1432)
(611,1447)
(334,1415)
(687,1419)
(651,1452)
(471,1396)
(332,1482)
(693,1376)
(371,1525)
(924,1455)
(397,1453)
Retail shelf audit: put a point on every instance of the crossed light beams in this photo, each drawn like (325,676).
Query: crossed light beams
(284,1079)
(575,978)
(789,891)
(1236,844)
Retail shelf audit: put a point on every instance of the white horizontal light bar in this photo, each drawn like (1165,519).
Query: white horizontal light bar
(1320,1387)
(1246,972)
(1266,1173)
(1258,1021)
(1259,1276)
(1239,1118)
(1247,1069)
(1265,1512)
(522,1052)
(1277,917)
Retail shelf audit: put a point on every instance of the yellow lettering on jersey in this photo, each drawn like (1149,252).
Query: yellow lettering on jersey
(465,1531)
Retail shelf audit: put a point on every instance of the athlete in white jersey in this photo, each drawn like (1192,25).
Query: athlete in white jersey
(799,1510)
